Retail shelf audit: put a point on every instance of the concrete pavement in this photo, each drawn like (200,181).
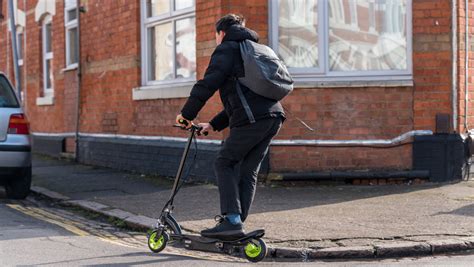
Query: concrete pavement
(57,237)
(309,221)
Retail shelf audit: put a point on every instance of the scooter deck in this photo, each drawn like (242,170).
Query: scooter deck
(234,246)
(254,234)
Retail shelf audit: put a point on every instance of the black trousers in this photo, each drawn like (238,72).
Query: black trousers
(238,164)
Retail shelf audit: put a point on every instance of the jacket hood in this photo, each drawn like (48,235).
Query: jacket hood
(239,33)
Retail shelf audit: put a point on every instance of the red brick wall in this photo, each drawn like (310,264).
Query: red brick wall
(111,66)
(57,118)
(345,114)
(111,69)
(5,42)
(375,113)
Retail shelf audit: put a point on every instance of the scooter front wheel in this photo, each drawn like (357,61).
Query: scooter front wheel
(157,240)
(255,250)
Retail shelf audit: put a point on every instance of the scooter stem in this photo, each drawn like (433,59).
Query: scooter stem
(181,165)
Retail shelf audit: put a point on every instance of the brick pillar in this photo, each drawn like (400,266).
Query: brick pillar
(432,64)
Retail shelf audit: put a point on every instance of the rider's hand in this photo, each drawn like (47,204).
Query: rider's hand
(206,127)
(183,122)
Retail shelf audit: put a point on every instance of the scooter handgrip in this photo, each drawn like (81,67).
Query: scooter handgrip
(183,122)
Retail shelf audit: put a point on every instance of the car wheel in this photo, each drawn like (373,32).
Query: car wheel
(19,186)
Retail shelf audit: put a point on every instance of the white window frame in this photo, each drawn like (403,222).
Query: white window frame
(20,31)
(171,16)
(47,56)
(69,25)
(311,77)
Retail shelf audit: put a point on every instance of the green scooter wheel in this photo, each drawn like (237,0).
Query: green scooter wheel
(157,242)
(255,250)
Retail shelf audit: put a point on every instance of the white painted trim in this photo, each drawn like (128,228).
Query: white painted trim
(69,4)
(162,92)
(21,18)
(149,138)
(70,25)
(373,142)
(44,7)
(40,134)
(74,66)
(45,101)
(47,56)
(20,30)
(353,82)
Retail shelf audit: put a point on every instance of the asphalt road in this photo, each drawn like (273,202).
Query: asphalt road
(38,234)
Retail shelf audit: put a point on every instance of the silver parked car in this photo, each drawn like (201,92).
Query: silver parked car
(15,143)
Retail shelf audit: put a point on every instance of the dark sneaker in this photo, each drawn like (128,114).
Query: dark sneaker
(224,230)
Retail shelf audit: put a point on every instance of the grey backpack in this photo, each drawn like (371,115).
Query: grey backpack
(265,74)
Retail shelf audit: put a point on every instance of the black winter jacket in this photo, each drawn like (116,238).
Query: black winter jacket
(226,64)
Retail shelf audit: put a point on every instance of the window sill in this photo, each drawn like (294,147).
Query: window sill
(70,67)
(180,90)
(45,101)
(355,82)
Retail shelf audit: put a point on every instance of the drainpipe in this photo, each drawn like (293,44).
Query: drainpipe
(16,68)
(454,57)
(79,78)
(24,82)
(466,66)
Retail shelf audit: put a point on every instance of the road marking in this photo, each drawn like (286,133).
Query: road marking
(48,217)
(66,224)
(75,228)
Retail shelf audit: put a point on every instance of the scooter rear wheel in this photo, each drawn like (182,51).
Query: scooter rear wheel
(157,241)
(255,250)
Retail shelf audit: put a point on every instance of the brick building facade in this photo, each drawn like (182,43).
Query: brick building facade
(366,72)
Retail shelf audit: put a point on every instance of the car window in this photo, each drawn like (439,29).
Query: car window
(7,97)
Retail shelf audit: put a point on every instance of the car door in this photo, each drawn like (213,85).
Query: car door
(8,105)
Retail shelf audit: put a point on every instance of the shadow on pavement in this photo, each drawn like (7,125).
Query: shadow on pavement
(146,196)
(467,210)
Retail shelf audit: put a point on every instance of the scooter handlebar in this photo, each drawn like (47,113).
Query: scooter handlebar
(197,128)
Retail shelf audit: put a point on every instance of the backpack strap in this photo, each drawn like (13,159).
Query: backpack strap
(244,102)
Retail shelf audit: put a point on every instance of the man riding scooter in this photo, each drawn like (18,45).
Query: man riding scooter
(249,138)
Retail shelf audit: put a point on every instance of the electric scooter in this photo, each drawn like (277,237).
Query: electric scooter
(167,229)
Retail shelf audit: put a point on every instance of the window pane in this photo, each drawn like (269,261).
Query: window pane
(73,55)
(367,35)
(157,7)
(160,52)
(71,14)
(47,37)
(49,74)
(182,4)
(298,33)
(186,48)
